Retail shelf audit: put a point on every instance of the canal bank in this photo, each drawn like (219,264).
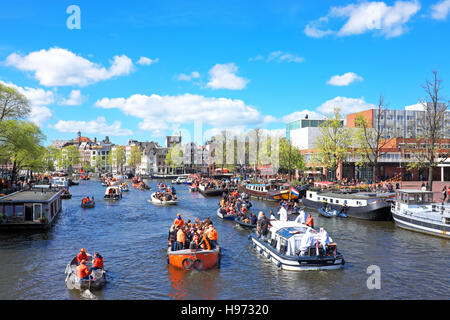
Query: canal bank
(131,234)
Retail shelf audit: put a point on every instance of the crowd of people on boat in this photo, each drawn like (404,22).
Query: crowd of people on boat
(233,203)
(196,235)
(82,271)
(212,183)
(87,200)
(169,194)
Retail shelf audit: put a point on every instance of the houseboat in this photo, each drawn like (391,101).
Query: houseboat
(360,205)
(35,209)
(294,246)
(414,210)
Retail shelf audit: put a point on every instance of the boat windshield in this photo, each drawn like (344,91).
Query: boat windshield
(291,231)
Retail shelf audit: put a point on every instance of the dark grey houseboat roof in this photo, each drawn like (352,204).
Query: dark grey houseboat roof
(29,196)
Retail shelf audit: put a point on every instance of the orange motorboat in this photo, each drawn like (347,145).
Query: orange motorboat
(198,259)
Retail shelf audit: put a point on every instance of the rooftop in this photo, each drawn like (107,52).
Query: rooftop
(29,196)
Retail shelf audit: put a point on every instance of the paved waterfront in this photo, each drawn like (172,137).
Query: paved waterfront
(132,237)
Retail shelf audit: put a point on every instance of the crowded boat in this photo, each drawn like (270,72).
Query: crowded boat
(87,202)
(193,245)
(65,194)
(233,205)
(113,193)
(166,197)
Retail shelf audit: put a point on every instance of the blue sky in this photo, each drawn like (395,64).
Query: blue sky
(231,64)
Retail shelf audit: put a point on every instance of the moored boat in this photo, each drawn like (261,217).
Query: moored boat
(329,213)
(414,210)
(360,205)
(245,225)
(198,259)
(297,247)
(96,280)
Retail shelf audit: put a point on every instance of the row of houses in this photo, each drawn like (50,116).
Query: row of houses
(95,153)
(402,128)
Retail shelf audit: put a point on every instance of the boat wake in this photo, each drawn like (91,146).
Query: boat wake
(87,294)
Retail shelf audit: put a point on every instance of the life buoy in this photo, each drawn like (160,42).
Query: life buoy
(198,264)
(187,263)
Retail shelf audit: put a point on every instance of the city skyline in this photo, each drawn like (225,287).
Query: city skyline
(150,69)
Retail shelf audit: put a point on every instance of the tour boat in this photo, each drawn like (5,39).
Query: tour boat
(360,205)
(155,200)
(113,193)
(225,216)
(284,247)
(88,205)
(198,259)
(209,192)
(414,210)
(96,280)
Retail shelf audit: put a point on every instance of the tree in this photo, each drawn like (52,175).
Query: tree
(50,156)
(334,142)
(116,157)
(135,157)
(428,155)
(290,157)
(369,138)
(21,145)
(174,156)
(13,105)
(70,157)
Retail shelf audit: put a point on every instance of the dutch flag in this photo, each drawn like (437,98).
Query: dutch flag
(294,192)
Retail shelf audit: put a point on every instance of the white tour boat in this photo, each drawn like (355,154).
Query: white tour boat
(294,246)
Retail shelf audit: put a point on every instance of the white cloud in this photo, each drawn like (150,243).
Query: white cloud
(61,67)
(440,10)
(301,115)
(279,56)
(147,61)
(223,76)
(159,113)
(98,126)
(39,100)
(347,105)
(363,17)
(345,79)
(75,99)
(188,77)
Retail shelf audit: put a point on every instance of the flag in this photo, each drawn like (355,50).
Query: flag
(294,192)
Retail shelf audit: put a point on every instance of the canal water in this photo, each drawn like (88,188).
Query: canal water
(132,237)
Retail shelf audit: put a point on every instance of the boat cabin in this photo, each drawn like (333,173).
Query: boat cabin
(351,200)
(32,209)
(414,197)
(59,182)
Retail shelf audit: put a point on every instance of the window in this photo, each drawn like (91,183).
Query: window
(19,211)
(8,211)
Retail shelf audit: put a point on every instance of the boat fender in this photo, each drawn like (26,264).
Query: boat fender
(254,245)
(278,264)
(187,263)
(198,265)
(268,256)
(261,251)
(249,237)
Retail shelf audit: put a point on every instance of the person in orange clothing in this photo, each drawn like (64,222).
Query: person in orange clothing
(205,243)
(82,255)
(84,200)
(98,262)
(82,271)
(310,221)
(181,239)
(88,200)
(178,221)
(211,233)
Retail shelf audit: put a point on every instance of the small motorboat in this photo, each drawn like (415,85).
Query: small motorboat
(88,205)
(225,216)
(97,278)
(113,193)
(198,259)
(210,192)
(66,194)
(244,225)
(329,213)
(153,199)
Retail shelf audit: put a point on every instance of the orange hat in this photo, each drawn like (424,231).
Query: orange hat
(178,215)
(83,250)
